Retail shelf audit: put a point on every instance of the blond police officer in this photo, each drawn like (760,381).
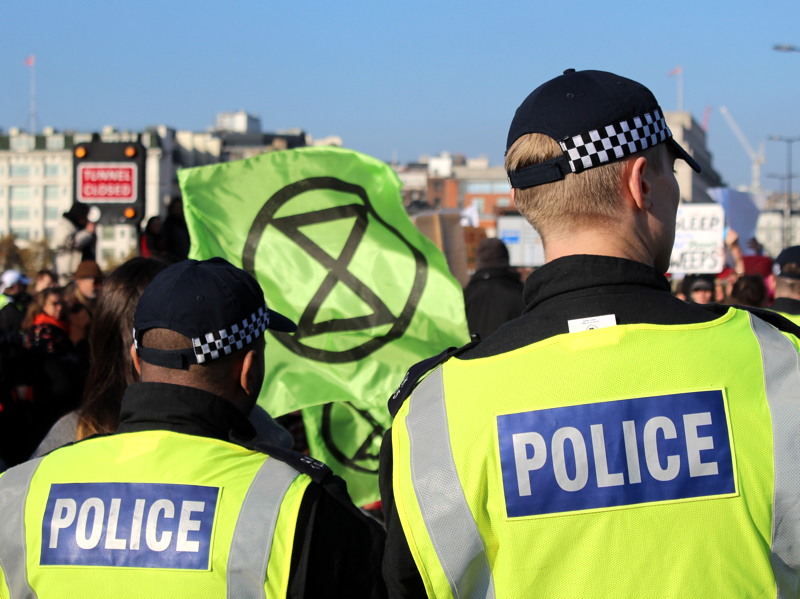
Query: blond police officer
(184,501)
(613,441)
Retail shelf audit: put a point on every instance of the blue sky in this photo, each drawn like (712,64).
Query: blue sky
(398,79)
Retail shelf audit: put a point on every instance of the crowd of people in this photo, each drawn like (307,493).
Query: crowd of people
(605,434)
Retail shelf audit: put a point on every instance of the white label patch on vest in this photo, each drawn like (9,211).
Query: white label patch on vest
(137,525)
(593,322)
(616,453)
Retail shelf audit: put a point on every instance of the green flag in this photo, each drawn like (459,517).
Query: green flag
(325,233)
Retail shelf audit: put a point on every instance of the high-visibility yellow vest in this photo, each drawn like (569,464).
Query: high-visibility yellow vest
(148,514)
(795,318)
(628,462)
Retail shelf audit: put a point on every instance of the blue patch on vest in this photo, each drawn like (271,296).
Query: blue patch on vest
(616,453)
(137,525)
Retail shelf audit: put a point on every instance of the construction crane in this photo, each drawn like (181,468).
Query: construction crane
(757,158)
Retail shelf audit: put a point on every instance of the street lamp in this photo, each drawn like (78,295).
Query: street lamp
(787,208)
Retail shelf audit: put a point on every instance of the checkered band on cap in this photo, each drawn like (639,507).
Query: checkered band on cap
(221,343)
(616,141)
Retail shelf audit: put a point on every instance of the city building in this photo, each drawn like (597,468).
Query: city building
(36,173)
(691,136)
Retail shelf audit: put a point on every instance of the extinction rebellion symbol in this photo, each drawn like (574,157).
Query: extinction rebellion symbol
(363,213)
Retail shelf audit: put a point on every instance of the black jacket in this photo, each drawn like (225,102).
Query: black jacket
(492,297)
(337,549)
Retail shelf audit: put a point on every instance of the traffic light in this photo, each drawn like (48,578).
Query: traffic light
(110,176)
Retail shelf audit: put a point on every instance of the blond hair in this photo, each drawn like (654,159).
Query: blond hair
(578,199)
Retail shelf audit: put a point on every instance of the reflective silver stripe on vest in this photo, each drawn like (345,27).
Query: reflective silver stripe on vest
(441,499)
(14,485)
(782,378)
(255,527)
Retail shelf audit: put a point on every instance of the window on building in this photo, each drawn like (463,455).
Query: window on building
(19,170)
(501,187)
(19,192)
(479,187)
(51,170)
(21,143)
(51,212)
(479,204)
(106,254)
(23,234)
(20,212)
(108,233)
(49,232)
(52,192)
(55,142)
(503,202)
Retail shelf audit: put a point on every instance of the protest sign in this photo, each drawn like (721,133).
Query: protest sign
(324,232)
(699,244)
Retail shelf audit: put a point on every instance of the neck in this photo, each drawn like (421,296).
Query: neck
(598,241)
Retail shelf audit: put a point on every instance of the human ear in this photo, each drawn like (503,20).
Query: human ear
(135,357)
(637,184)
(248,374)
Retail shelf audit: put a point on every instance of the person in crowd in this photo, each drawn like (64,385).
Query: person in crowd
(45,324)
(493,295)
(16,410)
(75,241)
(699,289)
(111,368)
(44,279)
(749,290)
(14,301)
(82,294)
(185,499)
(51,365)
(151,244)
(609,440)
(175,233)
(786,273)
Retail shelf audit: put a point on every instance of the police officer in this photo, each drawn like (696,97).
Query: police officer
(613,441)
(184,501)
(786,271)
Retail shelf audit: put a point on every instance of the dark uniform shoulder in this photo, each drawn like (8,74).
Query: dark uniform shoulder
(420,369)
(779,321)
(305,464)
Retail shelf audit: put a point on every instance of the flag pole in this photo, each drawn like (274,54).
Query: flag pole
(30,62)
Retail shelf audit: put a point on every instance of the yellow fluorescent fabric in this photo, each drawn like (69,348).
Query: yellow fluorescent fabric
(155,457)
(715,546)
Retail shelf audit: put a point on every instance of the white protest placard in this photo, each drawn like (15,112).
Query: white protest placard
(523,242)
(699,242)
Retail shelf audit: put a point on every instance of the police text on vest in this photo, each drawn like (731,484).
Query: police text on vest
(129,524)
(615,453)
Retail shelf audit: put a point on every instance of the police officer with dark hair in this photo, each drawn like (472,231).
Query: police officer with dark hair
(184,501)
(613,441)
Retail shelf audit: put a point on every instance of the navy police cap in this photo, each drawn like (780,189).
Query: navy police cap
(596,117)
(218,306)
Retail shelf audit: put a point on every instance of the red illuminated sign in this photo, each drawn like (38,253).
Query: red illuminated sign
(107,182)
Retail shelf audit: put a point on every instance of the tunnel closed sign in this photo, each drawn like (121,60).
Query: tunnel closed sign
(107,182)
(699,243)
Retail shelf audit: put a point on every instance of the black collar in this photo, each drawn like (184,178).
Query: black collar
(588,273)
(786,305)
(163,406)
